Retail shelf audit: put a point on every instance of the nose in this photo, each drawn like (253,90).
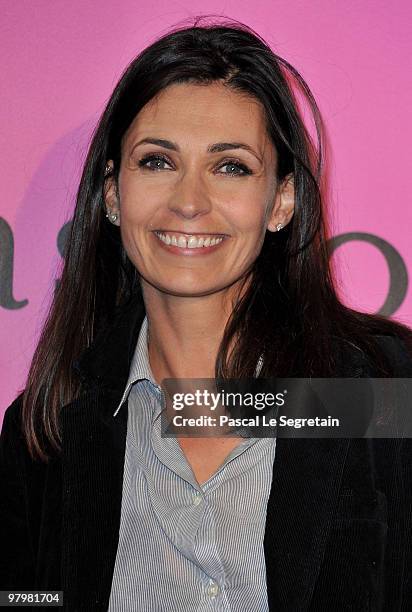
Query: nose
(190,198)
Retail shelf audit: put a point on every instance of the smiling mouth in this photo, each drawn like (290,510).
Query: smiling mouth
(190,241)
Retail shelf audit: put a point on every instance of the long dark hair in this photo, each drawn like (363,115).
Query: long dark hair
(290,313)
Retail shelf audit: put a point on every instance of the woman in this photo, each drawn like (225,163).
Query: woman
(198,249)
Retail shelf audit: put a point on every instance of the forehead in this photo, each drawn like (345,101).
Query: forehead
(204,113)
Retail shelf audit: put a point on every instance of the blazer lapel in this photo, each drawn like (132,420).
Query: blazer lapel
(307,475)
(92,463)
(305,487)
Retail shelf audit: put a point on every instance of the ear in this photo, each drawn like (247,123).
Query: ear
(111,195)
(284,204)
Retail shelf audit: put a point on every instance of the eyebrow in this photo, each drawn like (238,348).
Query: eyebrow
(217,147)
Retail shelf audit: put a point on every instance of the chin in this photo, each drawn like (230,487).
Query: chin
(186,291)
(188,286)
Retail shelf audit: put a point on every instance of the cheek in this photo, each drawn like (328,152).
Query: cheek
(137,209)
(134,220)
(249,219)
(248,209)
(137,196)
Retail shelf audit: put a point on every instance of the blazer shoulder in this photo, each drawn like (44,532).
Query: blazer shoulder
(398,354)
(355,360)
(13,446)
(12,417)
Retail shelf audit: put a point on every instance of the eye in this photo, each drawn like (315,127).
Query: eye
(157,160)
(235,168)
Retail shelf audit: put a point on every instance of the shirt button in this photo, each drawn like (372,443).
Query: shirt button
(197,498)
(213,589)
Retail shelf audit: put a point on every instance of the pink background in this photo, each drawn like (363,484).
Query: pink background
(61,60)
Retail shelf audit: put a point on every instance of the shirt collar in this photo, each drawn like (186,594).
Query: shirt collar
(140,365)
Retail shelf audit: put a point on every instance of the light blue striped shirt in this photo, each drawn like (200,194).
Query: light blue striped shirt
(185,547)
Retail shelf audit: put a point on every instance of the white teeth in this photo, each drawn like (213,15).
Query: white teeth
(192,242)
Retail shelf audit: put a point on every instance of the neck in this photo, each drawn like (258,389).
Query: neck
(185,332)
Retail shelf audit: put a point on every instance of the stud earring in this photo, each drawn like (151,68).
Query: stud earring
(108,170)
(112,216)
(279,227)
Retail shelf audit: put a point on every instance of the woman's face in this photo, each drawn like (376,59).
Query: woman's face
(197,189)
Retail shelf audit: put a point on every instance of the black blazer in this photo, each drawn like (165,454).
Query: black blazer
(339,517)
